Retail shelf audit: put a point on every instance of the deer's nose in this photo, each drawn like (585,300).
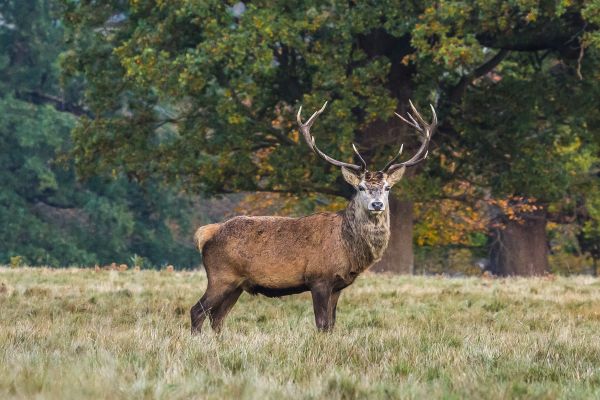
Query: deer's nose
(377,205)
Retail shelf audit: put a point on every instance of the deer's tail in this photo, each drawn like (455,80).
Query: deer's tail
(204,234)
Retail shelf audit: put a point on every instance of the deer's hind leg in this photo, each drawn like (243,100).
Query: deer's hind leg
(203,308)
(219,313)
(210,304)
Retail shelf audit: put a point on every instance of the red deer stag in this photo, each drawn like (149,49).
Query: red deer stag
(323,253)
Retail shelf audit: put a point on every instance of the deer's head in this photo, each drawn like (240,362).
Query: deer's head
(372,188)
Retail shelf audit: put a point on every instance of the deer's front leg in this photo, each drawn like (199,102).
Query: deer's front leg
(321,295)
(333,300)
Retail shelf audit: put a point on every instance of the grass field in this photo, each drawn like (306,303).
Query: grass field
(85,334)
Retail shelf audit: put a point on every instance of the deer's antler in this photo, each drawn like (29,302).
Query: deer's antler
(310,141)
(426,130)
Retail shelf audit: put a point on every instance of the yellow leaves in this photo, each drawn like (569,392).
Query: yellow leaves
(235,119)
(447,222)
(17,261)
(551,225)
(566,3)
(162,3)
(264,204)
(337,203)
(531,16)
(429,11)
(258,23)
(264,24)
(261,159)
(453,220)
(514,207)
(276,123)
(295,135)
(341,113)
(408,59)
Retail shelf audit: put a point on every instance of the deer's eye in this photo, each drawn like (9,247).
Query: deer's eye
(387,188)
(362,189)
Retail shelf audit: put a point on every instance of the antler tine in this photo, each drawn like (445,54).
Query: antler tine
(417,114)
(310,140)
(362,160)
(426,129)
(312,118)
(435,120)
(394,159)
(413,123)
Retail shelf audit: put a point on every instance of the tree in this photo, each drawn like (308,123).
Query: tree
(521,139)
(47,216)
(205,93)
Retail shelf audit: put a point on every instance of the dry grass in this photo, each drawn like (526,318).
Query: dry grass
(85,334)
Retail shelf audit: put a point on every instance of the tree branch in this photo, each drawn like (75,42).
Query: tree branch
(39,98)
(544,34)
(457,91)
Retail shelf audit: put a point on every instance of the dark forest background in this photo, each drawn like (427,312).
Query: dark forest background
(124,125)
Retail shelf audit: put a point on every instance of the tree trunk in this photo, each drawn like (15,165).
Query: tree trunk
(380,140)
(521,247)
(399,256)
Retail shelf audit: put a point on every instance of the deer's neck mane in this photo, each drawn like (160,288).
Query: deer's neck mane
(365,234)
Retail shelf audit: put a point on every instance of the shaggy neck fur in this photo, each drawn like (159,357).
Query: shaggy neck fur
(365,234)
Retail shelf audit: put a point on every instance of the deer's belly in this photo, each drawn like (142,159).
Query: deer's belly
(273,274)
(274,292)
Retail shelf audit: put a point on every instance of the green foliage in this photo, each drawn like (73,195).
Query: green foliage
(530,127)
(47,216)
(589,237)
(205,94)
(224,90)
(538,144)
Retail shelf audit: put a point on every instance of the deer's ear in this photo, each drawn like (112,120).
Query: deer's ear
(395,176)
(351,176)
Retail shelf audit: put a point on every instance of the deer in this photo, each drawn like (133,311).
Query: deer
(322,253)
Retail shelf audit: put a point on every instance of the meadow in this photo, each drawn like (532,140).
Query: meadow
(78,333)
